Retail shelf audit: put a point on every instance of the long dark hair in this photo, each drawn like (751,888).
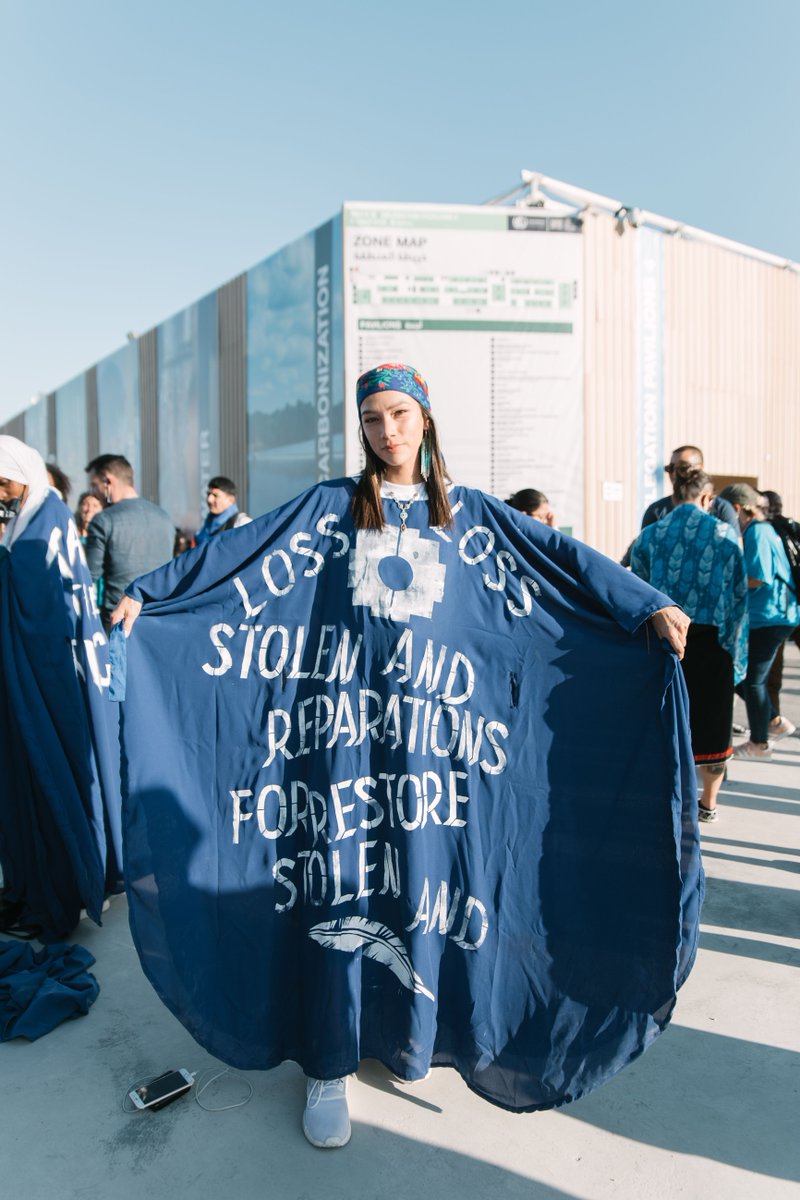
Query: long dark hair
(528,500)
(367,503)
(61,481)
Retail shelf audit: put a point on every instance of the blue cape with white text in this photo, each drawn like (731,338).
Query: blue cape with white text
(424,796)
(60,821)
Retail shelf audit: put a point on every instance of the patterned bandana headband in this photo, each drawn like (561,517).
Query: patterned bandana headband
(393,377)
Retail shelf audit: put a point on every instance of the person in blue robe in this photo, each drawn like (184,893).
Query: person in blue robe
(409,778)
(60,819)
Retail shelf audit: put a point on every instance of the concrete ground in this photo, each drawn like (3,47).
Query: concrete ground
(710,1111)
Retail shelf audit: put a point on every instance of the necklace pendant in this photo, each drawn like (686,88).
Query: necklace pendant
(402,508)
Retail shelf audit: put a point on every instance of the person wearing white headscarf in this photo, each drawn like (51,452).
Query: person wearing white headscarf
(59,802)
(23,477)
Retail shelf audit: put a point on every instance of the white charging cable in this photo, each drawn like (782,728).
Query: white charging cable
(129,1107)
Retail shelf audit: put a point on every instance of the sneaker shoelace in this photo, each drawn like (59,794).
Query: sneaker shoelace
(324,1089)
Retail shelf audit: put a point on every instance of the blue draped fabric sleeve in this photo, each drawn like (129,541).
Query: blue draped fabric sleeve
(60,821)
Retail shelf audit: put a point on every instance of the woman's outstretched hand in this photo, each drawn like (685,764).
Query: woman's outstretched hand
(128,610)
(673,624)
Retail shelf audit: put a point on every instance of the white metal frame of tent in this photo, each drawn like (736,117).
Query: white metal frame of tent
(556,196)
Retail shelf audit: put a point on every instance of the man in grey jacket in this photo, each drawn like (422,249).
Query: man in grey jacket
(129,537)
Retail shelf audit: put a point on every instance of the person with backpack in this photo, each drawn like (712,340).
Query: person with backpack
(773,613)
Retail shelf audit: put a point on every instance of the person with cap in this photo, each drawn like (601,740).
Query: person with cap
(223,511)
(357,822)
(773,612)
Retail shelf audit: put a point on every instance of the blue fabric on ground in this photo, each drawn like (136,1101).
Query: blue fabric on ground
(422,796)
(60,819)
(41,988)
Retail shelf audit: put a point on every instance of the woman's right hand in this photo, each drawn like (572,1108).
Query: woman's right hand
(126,611)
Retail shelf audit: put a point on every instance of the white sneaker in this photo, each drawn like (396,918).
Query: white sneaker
(326,1120)
(411,1082)
(751,750)
(781,728)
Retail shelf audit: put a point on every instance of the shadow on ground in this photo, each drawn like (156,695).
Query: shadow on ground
(754,907)
(724,943)
(717,1079)
(776,864)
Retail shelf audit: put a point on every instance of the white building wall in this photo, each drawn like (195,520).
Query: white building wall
(731,370)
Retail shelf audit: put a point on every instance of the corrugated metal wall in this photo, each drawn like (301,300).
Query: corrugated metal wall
(232,316)
(731,379)
(15,427)
(731,370)
(609,384)
(147,486)
(732,363)
(51,427)
(92,423)
(781,470)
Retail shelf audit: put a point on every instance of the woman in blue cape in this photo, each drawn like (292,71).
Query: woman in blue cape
(60,824)
(410,779)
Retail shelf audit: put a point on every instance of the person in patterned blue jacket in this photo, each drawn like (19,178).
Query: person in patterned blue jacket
(697,560)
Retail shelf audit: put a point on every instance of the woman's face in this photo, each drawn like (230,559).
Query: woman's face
(394,426)
(90,506)
(544,514)
(10,489)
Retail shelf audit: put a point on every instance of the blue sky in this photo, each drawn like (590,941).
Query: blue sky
(152,151)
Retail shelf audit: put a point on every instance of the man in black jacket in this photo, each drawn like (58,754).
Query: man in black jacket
(720,509)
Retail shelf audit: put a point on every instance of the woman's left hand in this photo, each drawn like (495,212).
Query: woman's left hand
(126,611)
(673,624)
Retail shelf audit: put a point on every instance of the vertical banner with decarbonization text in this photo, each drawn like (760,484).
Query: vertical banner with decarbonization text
(649,365)
(294,368)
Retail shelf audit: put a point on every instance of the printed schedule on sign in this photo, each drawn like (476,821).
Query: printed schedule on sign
(486,304)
